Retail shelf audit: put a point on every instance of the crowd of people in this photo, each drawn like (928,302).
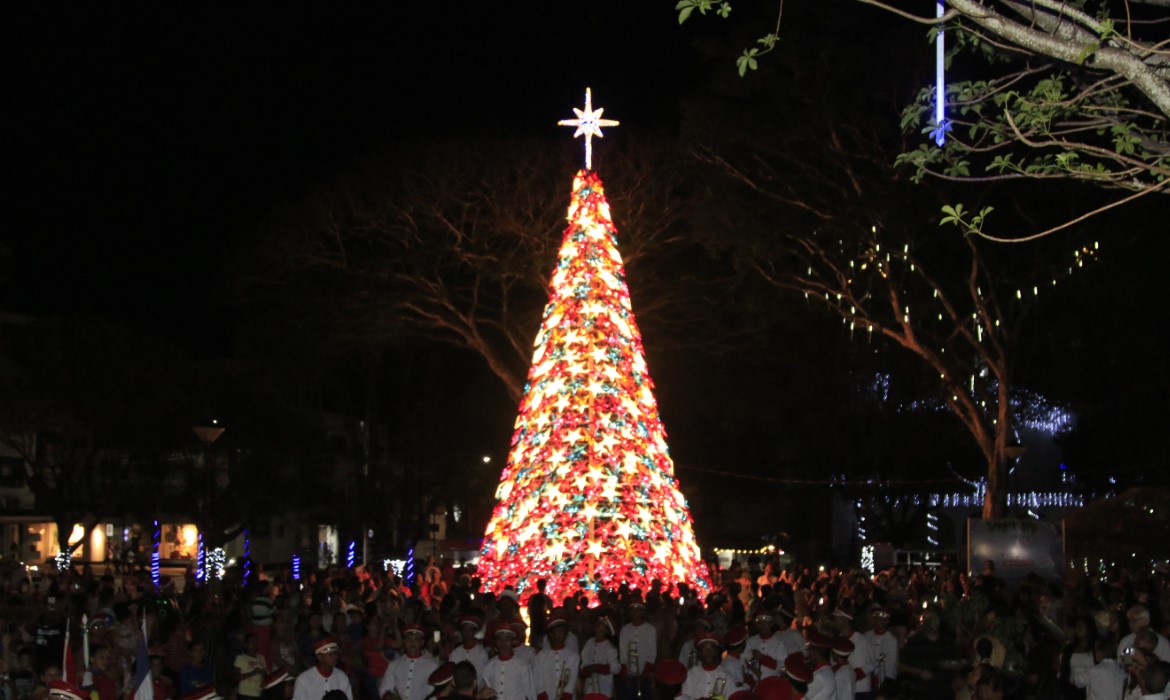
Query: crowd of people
(766,632)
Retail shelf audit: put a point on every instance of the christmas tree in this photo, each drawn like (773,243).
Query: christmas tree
(588,498)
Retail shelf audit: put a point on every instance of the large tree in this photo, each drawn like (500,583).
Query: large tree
(818,209)
(1077,92)
(455,242)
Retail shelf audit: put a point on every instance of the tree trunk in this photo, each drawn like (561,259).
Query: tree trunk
(995,498)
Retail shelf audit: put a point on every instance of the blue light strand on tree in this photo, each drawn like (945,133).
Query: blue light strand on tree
(351,554)
(408,573)
(247,557)
(939,134)
(156,537)
(296,567)
(201,562)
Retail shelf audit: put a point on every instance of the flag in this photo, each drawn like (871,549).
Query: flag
(67,669)
(143,683)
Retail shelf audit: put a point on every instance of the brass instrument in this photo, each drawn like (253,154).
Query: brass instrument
(881,668)
(634,668)
(692,657)
(718,687)
(564,681)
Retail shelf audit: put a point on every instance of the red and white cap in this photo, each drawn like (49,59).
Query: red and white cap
(557,617)
(774,688)
(443,675)
(325,645)
(796,668)
(816,639)
(413,628)
(707,638)
(206,693)
(501,627)
(275,678)
(735,636)
(66,691)
(472,620)
(842,646)
(670,672)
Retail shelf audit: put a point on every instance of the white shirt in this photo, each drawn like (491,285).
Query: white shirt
(599,653)
(570,641)
(774,647)
(823,686)
(477,656)
(645,639)
(735,668)
(884,649)
(547,670)
(863,663)
(706,682)
(525,653)
(311,685)
(510,678)
(409,678)
(1103,681)
(792,641)
(1162,651)
(845,681)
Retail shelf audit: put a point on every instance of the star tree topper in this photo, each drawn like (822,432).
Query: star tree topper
(588,123)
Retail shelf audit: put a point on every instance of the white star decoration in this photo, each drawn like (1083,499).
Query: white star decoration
(588,123)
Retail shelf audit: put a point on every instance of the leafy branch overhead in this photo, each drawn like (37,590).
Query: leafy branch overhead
(1074,92)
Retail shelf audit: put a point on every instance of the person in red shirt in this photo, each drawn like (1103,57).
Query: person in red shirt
(374,646)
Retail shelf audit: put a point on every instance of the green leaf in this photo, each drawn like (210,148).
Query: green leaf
(1086,52)
(725,10)
(684,13)
(747,61)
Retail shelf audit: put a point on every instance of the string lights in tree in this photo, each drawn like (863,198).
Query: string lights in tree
(216,564)
(296,567)
(201,562)
(247,563)
(408,573)
(942,126)
(155,538)
(588,498)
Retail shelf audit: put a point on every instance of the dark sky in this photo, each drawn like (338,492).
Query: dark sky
(143,147)
(146,143)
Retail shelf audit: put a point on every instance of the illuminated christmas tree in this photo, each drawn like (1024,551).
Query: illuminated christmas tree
(588,498)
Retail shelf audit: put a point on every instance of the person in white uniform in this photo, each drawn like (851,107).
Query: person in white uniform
(709,679)
(508,676)
(313,683)
(406,676)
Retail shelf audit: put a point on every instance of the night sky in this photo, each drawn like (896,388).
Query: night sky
(144,148)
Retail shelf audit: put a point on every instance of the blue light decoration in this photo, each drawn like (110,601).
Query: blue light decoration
(201,562)
(408,571)
(247,557)
(155,539)
(351,554)
(296,567)
(939,134)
